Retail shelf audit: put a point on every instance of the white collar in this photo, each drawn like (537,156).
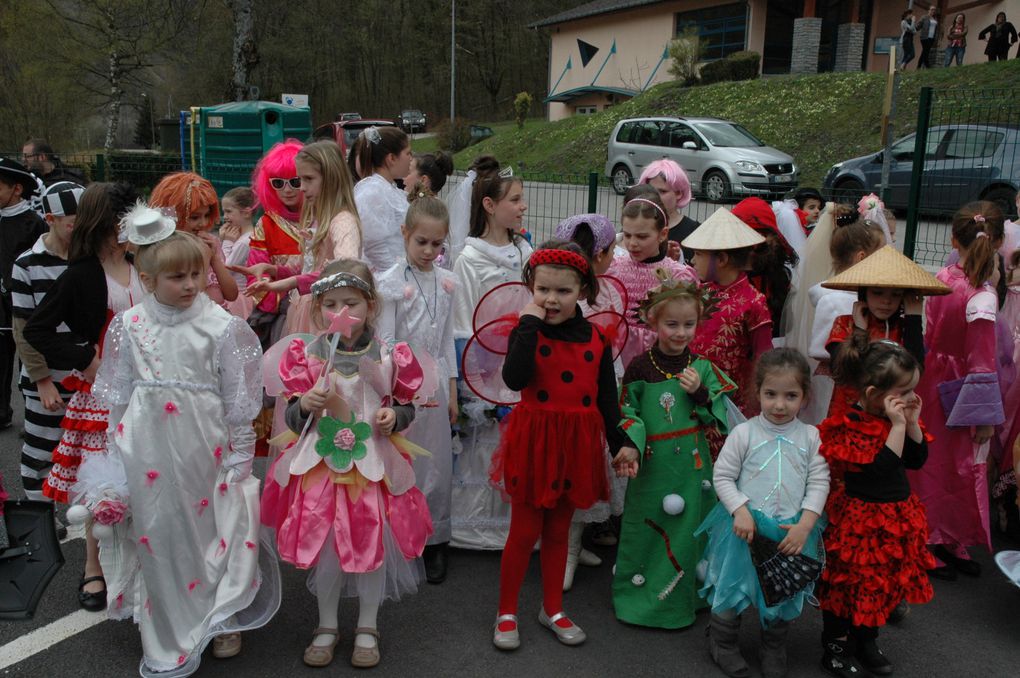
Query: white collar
(171,315)
(16,209)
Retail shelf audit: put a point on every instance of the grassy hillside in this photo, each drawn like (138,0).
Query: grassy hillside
(818,119)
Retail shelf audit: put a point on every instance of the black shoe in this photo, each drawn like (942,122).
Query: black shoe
(435,563)
(93,602)
(838,660)
(899,613)
(945,573)
(963,565)
(872,658)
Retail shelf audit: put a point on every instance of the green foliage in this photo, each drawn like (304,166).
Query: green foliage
(741,65)
(818,119)
(522,105)
(453,136)
(686,53)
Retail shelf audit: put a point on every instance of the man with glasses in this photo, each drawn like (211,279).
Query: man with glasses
(39,158)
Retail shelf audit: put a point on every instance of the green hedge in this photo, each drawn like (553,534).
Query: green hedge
(741,65)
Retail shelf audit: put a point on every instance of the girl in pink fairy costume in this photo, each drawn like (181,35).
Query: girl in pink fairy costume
(342,497)
(645,236)
(960,391)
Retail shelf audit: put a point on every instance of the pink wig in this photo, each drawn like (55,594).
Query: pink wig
(277,163)
(674,176)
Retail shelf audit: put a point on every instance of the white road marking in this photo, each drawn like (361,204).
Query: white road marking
(47,636)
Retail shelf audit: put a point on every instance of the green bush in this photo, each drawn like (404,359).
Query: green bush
(686,51)
(453,137)
(741,65)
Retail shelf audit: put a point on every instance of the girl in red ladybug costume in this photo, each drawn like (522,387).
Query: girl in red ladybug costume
(551,459)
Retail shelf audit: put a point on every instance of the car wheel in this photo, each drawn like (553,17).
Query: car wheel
(716,186)
(1004,197)
(622,179)
(849,191)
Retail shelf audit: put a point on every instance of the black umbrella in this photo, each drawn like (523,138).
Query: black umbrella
(31,560)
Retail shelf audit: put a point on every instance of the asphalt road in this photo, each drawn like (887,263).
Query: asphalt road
(972,628)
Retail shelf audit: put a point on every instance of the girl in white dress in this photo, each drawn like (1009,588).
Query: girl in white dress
(384,155)
(177,507)
(418,308)
(494,253)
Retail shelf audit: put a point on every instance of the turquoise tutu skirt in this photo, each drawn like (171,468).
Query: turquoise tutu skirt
(731,582)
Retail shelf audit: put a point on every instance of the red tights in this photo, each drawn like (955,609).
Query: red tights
(527,524)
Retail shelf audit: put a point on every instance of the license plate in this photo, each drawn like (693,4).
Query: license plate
(780,178)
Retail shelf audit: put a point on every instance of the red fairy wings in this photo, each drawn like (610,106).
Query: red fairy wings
(498,313)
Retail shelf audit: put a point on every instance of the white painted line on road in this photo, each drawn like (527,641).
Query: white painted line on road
(47,636)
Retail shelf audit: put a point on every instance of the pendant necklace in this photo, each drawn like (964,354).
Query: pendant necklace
(668,375)
(435,295)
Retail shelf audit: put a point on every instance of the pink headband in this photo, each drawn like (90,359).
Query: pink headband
(665,219)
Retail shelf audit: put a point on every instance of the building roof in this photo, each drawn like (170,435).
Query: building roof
(591,9)
(571,94)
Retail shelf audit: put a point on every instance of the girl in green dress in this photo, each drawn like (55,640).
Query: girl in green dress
(670,398)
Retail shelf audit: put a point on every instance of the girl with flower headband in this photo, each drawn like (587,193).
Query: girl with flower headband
(960,388)
(384,155)
(418,309)
(176,506)
(645,235)
(671,398)
(494,253)
(342,497)
(98,283)
(197,209)
(551,458)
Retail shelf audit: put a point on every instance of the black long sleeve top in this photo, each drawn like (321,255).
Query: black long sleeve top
(519,366)
(77,298)
(884,480)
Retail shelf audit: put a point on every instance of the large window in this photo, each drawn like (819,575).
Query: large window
(724,29)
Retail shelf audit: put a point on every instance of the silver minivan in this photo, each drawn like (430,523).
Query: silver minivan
(722,158)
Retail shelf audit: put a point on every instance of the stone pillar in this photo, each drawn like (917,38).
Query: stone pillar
(849,47)
(807,35)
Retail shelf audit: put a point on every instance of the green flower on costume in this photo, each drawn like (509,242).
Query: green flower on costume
(342,441)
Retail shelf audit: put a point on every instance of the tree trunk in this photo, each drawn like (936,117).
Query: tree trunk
(245,49)
(116,98)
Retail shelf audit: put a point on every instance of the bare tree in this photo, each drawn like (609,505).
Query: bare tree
(246,53)
(114,42)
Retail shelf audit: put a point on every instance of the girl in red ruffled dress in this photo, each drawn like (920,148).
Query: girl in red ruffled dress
(875,543)
(551,459)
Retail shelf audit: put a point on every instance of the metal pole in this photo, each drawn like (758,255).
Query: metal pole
(888,114)
(916,174)
(453,60)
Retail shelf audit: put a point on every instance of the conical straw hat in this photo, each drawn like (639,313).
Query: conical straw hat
(887,268)
(722,231)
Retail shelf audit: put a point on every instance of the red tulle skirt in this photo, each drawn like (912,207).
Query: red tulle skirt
(84,433)
(875,558)
(545,455)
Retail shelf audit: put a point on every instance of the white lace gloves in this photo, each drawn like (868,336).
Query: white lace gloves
(239,462)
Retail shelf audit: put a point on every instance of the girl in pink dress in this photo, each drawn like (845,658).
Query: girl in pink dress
(645,237)
(342,498)
(960,392)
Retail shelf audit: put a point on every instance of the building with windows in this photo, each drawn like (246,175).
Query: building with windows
(606,51)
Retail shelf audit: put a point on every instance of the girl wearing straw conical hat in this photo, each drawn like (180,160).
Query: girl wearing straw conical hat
(741,328)
(889,288)
(960,388)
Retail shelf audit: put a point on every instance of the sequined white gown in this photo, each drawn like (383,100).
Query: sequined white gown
(183,387)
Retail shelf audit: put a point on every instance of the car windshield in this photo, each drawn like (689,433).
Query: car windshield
(726,134)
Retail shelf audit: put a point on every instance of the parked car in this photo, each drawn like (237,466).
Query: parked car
(722,159)
(961,163)
(348,116)
(345,132)
(412,120)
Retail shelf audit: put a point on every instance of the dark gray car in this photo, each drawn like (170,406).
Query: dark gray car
(962,163)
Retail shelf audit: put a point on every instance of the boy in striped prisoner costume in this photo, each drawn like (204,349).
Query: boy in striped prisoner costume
(34,273)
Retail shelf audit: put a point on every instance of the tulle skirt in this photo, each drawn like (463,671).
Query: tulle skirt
(731,582)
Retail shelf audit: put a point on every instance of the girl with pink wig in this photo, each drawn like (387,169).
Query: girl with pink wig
(670,180)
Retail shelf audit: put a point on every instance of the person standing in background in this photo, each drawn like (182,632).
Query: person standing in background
(928,29)
(40,159)
(1000,36)
(957,37)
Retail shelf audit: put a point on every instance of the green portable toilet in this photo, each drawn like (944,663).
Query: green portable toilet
(223,143)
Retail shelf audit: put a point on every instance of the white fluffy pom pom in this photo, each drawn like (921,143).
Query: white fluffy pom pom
(638,580)
(701,571)
(706,484)
(673,504)
(102,532)
(77,514)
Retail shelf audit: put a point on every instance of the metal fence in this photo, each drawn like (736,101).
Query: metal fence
(967,148)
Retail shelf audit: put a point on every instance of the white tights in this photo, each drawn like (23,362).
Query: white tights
(328,587)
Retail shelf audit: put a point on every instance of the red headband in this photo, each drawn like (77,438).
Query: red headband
(559,258)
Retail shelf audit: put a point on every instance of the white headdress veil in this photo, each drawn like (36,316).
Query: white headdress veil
(815,266)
